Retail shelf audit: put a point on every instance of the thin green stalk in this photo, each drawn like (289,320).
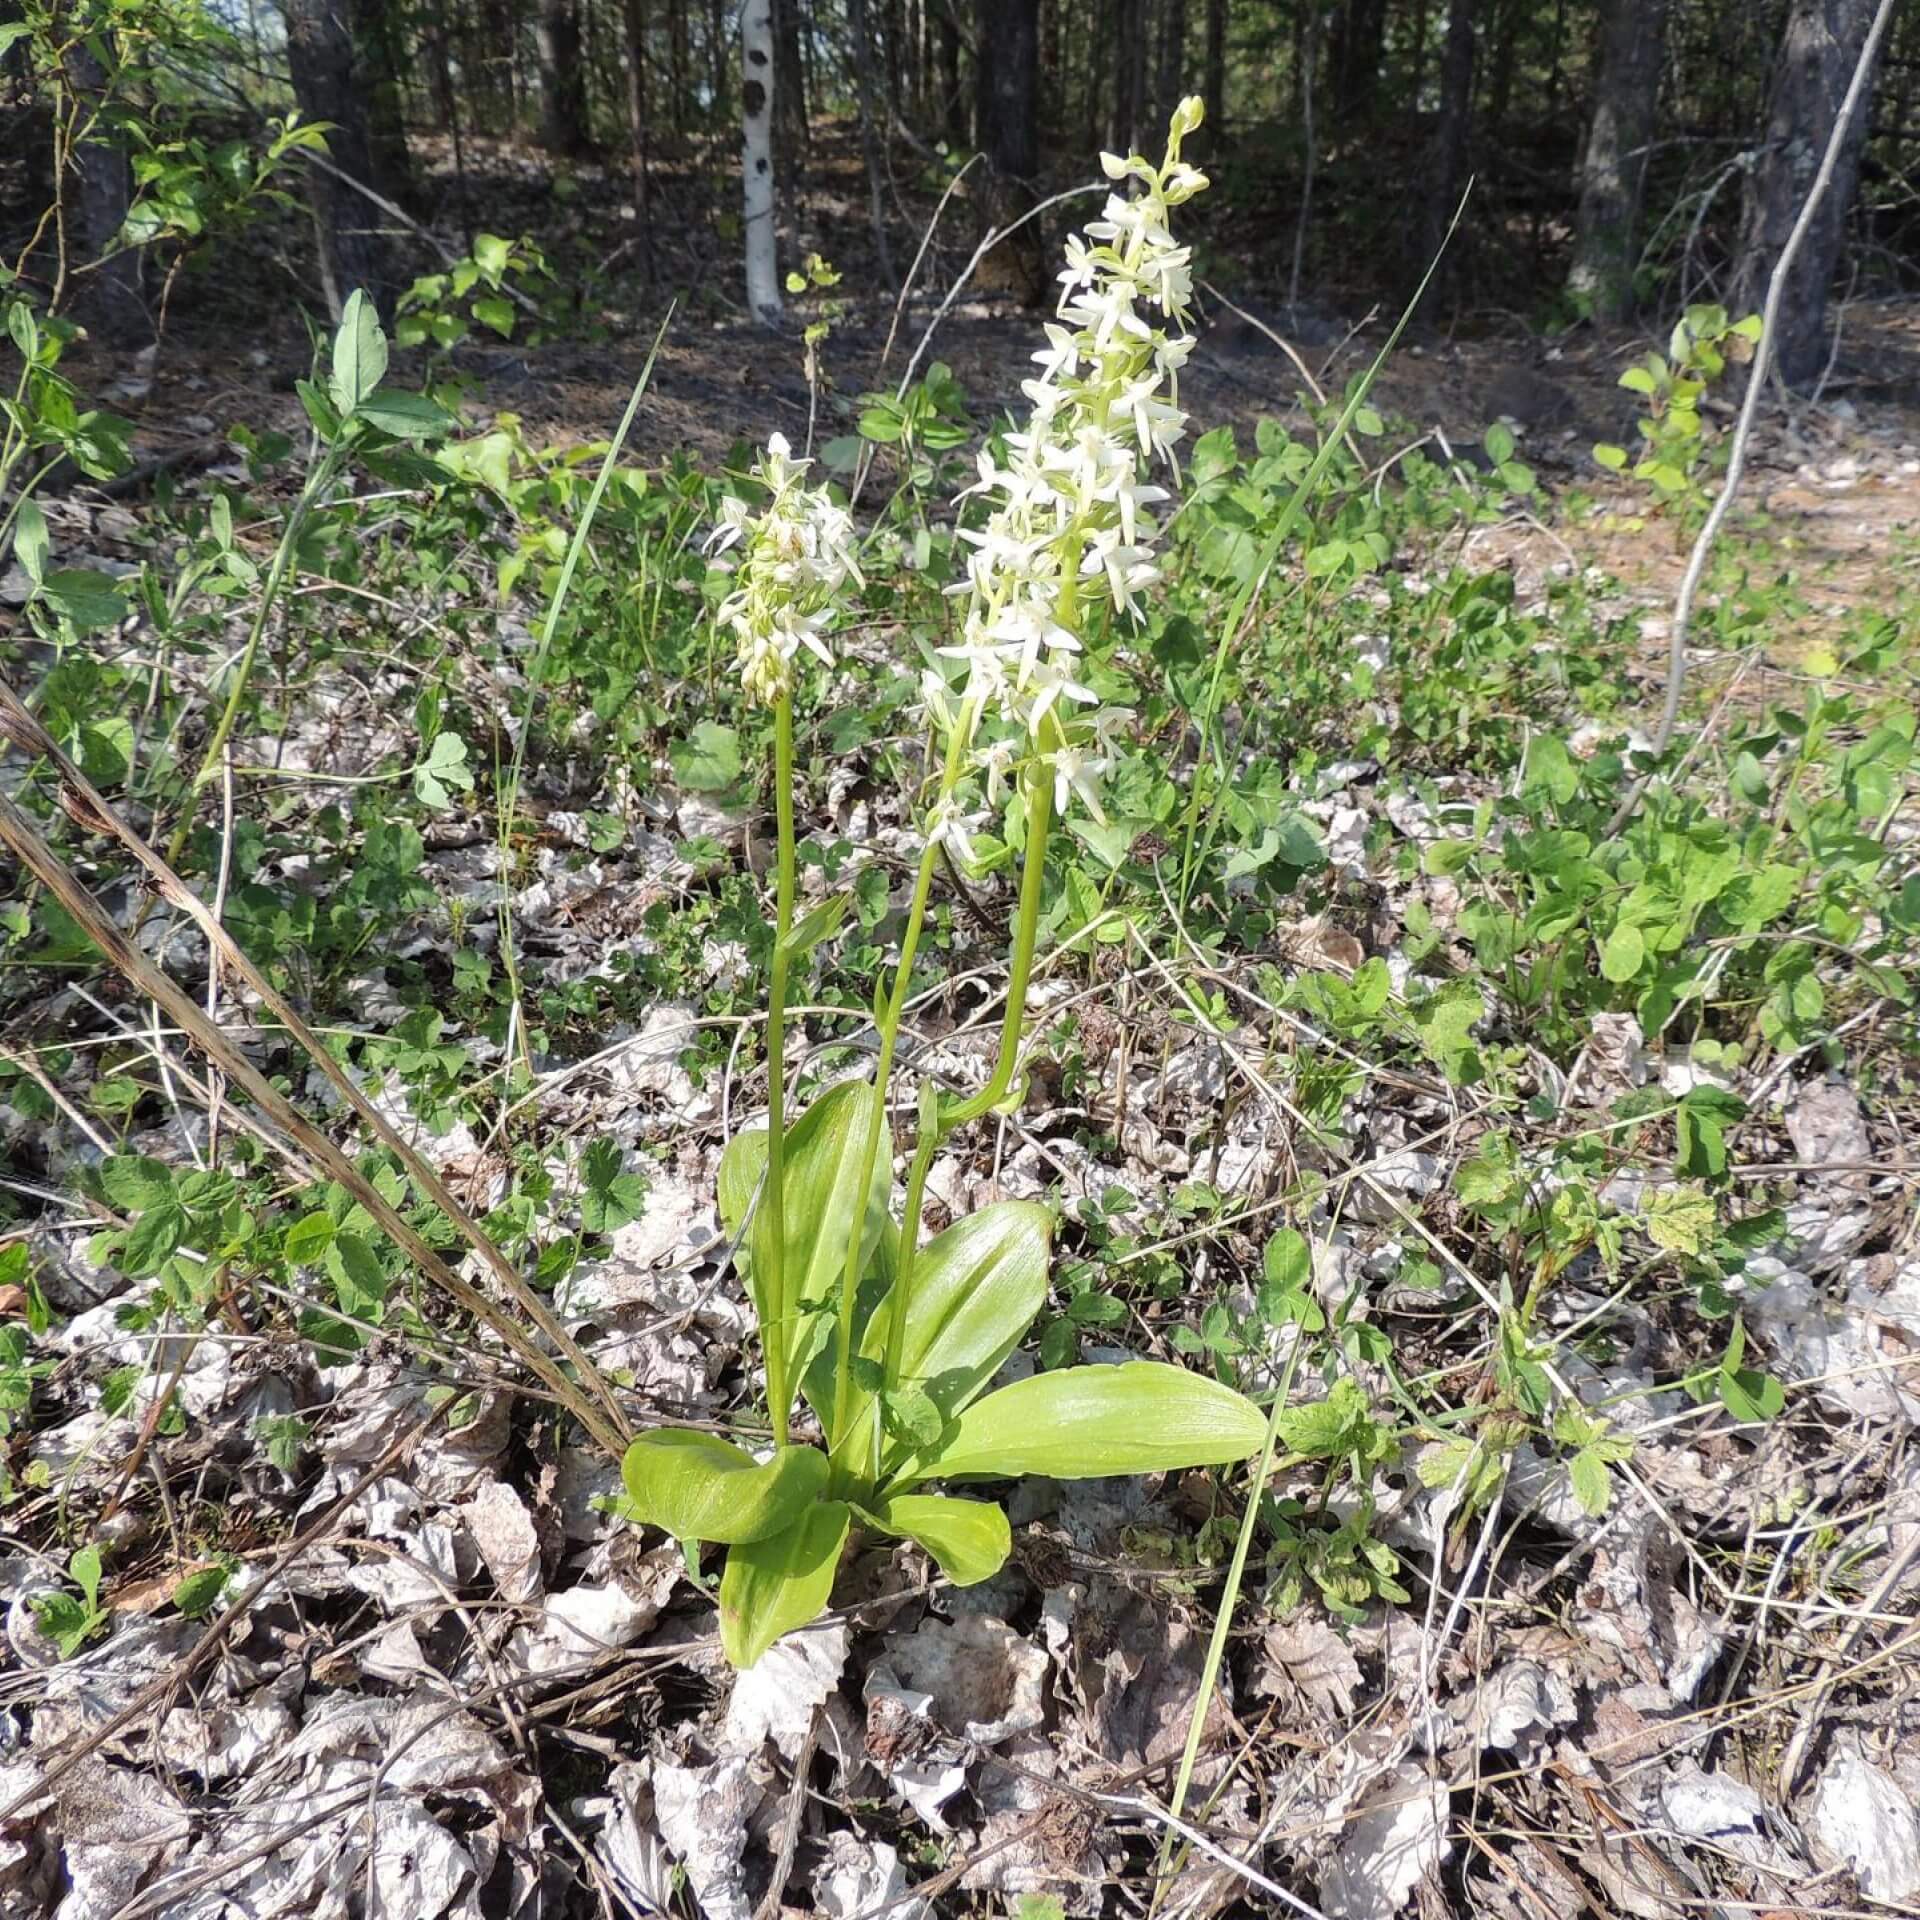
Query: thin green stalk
(902,1292)
(1039,797)
(889,1027)
(772,1244)
(318,480)
(1223,1622)
(938,1124)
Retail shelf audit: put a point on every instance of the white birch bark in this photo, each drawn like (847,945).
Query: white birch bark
(756,158)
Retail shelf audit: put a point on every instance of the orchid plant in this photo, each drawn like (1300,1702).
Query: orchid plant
(892,1344)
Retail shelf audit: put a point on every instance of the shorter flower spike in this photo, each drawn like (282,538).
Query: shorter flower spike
(795,555)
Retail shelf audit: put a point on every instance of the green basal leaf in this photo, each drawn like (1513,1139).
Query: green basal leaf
(697,1486)
(772,1586)
(968,1539)
(1087,1423)
(824,1149)
(976,1289)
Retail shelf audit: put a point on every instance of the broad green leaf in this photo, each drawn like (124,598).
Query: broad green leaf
(155,1237)
(1750,1395)
(359,354)
(84,1570)
(1591,1485)
(820,924)
(697,1486)
(772,1586)
(976,1290)
(1087,1423)
(493,311)
(195,1593)
(359,1280)
(1620,958)
(1325,1429)
(824,1149)
(407,416)
(1681,1218)
(911,1416)
(31,543)
(133,1181)
(968,1539)
(708,760)
(308,1239)
(88,599)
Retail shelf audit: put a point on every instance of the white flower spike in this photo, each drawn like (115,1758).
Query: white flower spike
(1067,526)
(795,555)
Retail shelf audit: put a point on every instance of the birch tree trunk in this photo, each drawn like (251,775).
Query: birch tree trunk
(1613,170)
(756,159)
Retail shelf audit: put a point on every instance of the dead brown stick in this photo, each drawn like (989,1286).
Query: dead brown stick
(84,805)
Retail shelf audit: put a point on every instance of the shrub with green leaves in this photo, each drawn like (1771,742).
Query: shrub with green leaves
(1675,448)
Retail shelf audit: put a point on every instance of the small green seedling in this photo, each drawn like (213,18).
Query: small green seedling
(67,1621)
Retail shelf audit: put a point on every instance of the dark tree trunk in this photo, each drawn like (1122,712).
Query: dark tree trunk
(718,43)
(789,93)
(500,23)
(380,60)
(100,191)
(953,101)
(1505,29)
(1359,34)
(1006,125)
(1613,170)
(639,132)
(1215,89)
(893,34)
(860,29)
(679,62)
(1172,85)
(1098,103)
(1447,150)
(320,61)
(1130,74)
(563,79)
(1817,57)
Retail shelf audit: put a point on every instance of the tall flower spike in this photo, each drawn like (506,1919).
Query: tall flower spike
(795,555)
(1067,526)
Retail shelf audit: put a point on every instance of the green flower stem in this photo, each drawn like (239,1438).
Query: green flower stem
(776,1336)
(889,1023)
(901,1293)
(1037,784)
